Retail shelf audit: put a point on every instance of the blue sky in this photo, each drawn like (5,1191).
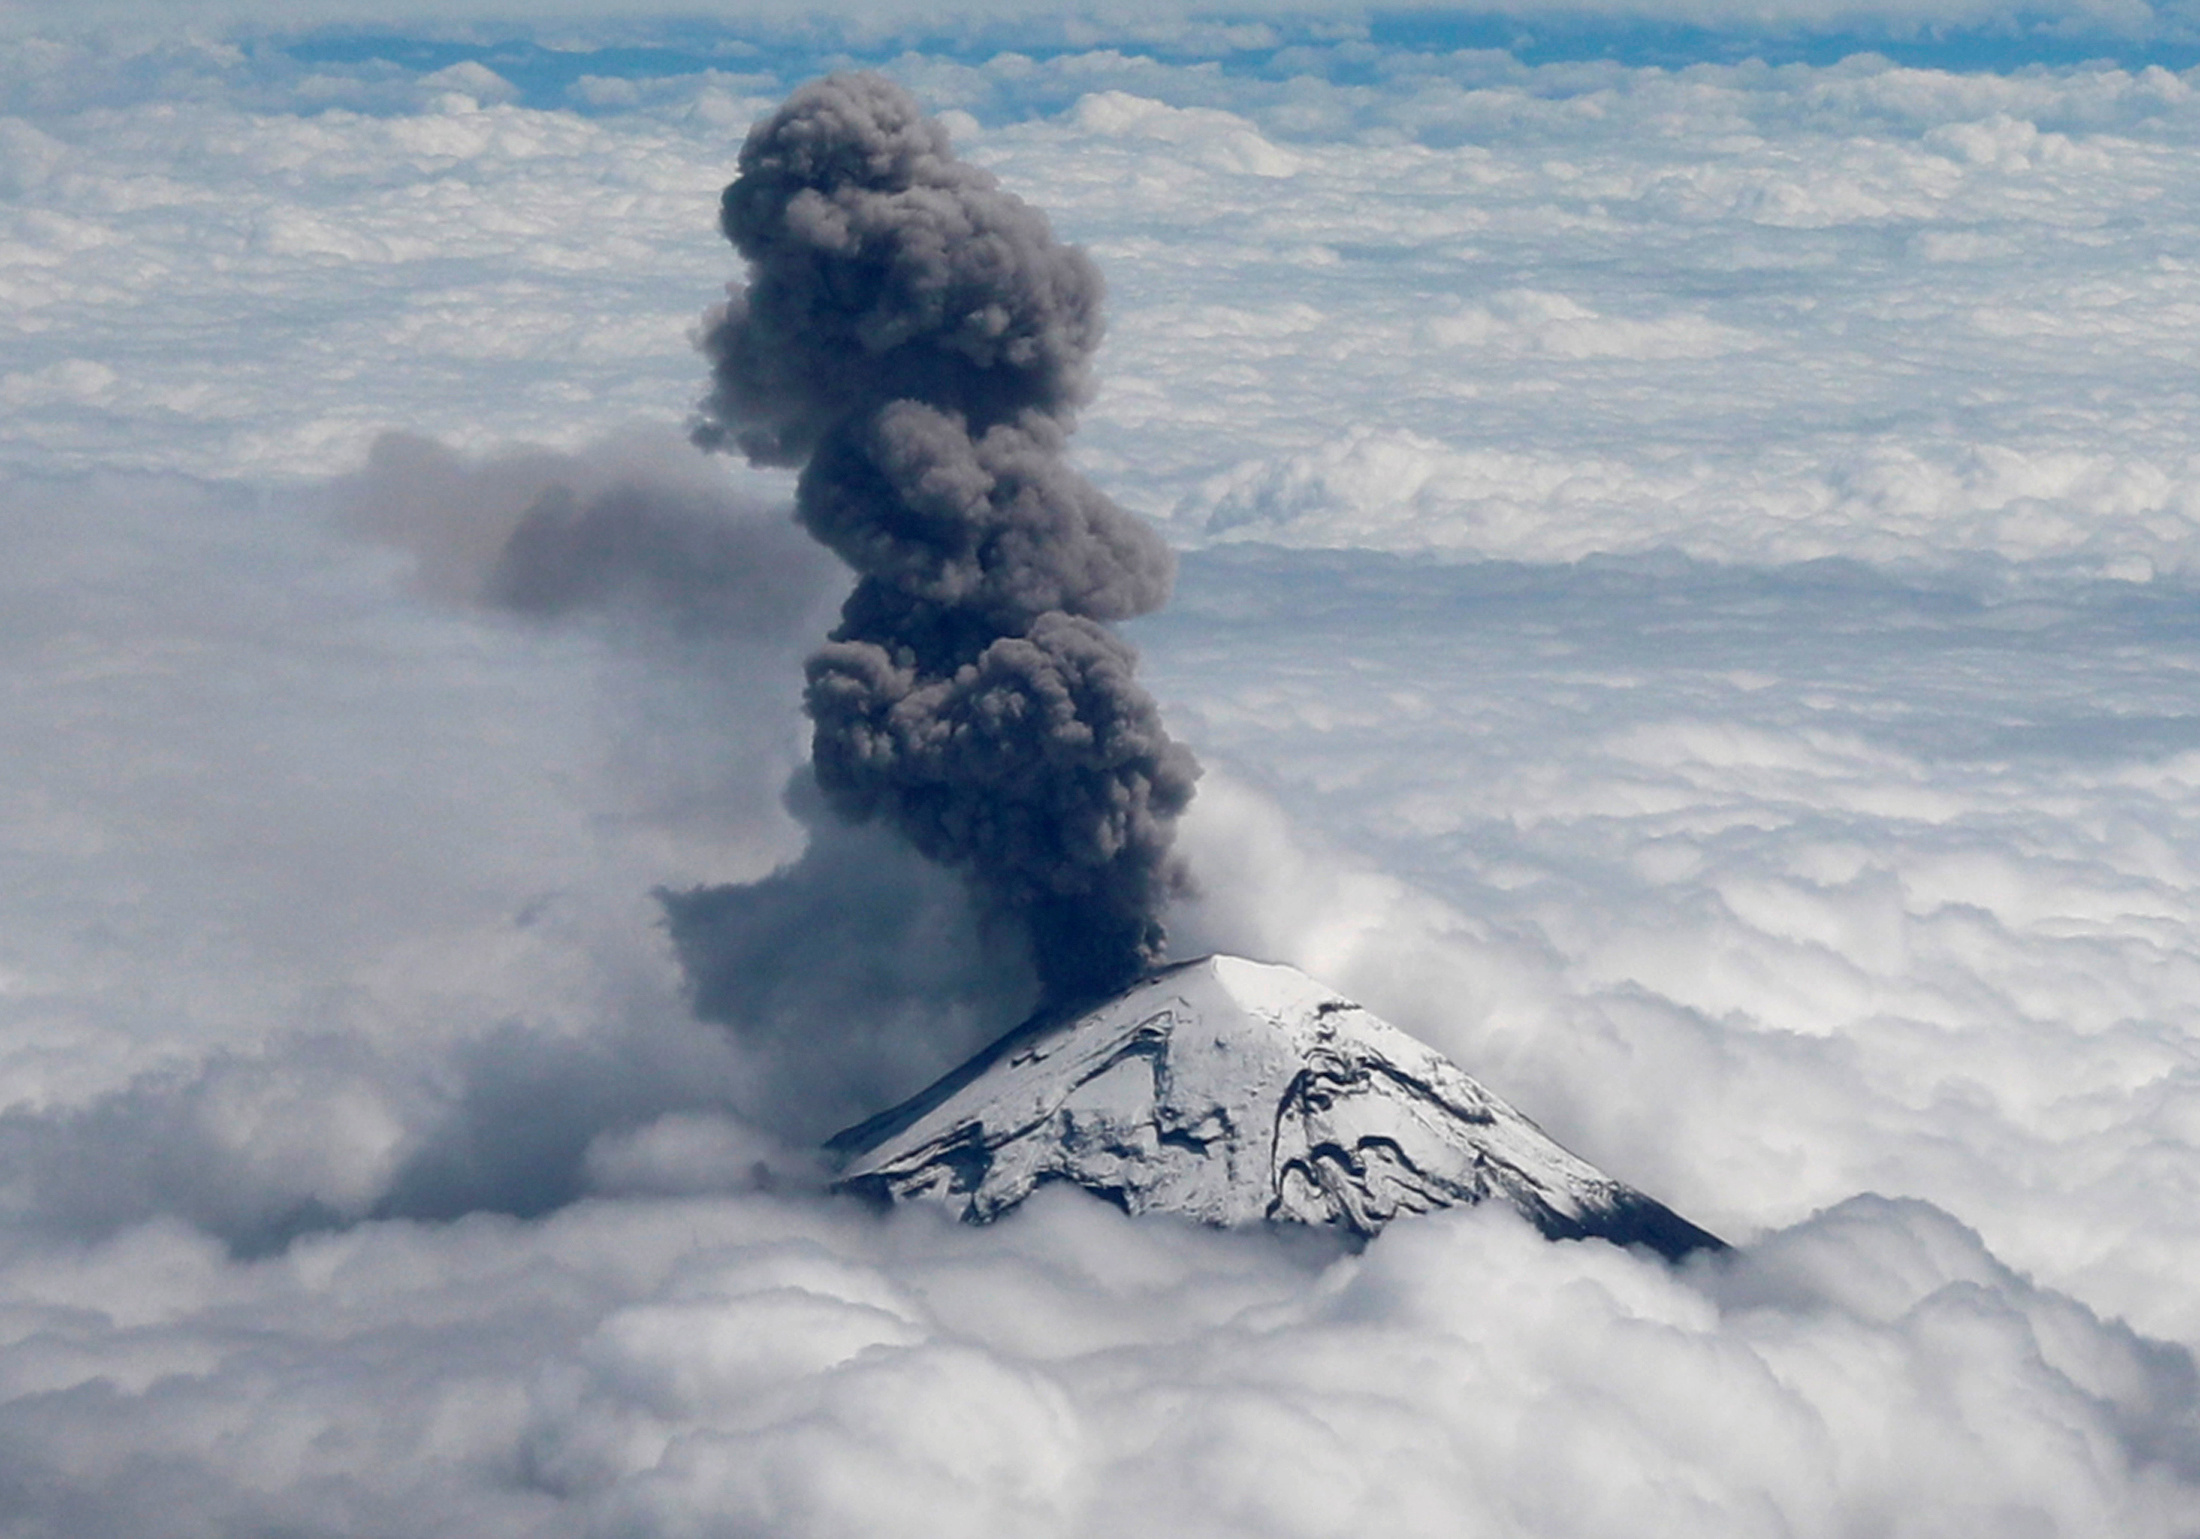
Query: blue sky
(545,72)
(544,49)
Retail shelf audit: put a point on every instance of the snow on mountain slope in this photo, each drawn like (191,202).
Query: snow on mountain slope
(1236,1092)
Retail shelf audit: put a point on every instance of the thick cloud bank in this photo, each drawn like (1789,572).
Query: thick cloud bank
(912,335)
(407,966)
(761,1365)
(329,893)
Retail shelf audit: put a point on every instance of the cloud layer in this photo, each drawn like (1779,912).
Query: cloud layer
(1786,797)
(1746,944)
(751,1365)
(1466,306)
(1904,860)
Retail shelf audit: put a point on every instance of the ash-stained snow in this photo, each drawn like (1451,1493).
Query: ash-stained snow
(1235,1092)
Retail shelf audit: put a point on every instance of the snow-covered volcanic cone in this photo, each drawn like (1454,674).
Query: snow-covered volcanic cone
(1235,1092)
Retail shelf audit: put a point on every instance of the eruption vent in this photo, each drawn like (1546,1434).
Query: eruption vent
(915,338)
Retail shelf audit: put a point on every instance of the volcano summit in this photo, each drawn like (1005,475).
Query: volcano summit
(1237,1092)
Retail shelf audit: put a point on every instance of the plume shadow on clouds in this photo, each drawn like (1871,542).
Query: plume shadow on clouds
(323,1131)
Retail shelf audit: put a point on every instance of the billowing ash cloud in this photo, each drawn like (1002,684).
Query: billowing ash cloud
(914,337)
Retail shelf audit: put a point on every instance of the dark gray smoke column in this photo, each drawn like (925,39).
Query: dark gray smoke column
(915,338)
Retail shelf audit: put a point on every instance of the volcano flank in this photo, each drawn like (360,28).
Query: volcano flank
(1236,1092)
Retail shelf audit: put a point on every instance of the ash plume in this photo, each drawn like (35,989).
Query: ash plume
(913,336)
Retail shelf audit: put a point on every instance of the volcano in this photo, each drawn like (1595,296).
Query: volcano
(1236,1092)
